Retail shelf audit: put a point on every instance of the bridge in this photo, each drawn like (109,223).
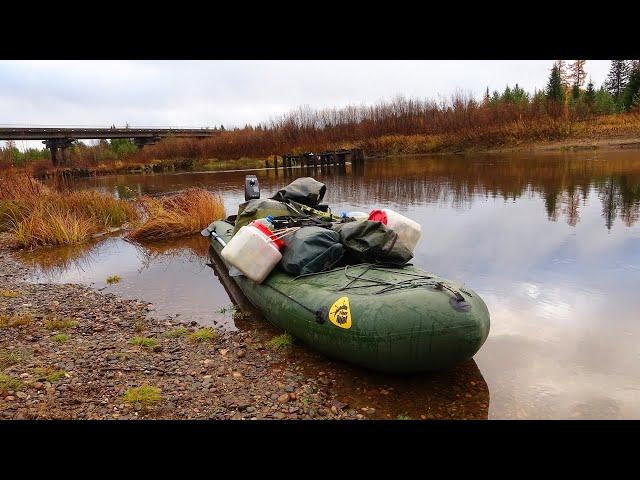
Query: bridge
(59,139)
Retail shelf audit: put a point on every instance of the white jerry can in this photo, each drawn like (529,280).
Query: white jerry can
(252,252)
(409,231)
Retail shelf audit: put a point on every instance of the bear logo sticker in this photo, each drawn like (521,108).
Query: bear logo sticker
(340,314)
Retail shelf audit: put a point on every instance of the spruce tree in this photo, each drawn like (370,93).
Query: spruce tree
(575,91)
(590,94)
(618,78)
(555,91)
(631,90)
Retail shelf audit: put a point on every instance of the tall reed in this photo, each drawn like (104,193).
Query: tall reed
(177,215)
(37,215)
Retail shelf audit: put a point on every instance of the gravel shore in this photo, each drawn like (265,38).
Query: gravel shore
(71,357)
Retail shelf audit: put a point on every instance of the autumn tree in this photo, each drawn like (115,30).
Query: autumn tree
(562,70)
(577,74)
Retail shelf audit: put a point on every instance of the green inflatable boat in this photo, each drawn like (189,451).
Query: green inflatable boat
(389,319)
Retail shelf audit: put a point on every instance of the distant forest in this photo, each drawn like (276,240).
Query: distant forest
(568,105)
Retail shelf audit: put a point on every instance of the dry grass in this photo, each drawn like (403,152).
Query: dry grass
(15,320)
(36,215)
(12,357)
(9,383)
(185,213)
(4,293)
(54,323)
(50,374)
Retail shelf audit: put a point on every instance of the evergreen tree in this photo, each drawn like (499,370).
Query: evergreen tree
(617,78)
(575,91)
(632,88)
(635,104)
(506,96)
(577,75)
(604,103)
(519,96)
(555,90)
(590,94)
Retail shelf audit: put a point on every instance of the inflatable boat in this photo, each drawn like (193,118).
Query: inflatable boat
(397,319)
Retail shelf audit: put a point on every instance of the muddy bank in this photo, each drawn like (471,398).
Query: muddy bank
(82,367)
(574,144)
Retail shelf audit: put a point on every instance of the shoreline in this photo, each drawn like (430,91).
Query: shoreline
(235,376)
(617,143)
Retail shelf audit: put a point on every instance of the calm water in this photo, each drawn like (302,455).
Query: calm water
(550,241)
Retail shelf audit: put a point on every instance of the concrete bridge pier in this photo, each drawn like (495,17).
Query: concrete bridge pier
(60,154)
(142,141)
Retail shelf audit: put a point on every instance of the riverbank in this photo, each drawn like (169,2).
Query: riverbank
(236,150)
(72,352)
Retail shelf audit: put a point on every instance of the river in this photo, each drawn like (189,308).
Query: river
(551,241)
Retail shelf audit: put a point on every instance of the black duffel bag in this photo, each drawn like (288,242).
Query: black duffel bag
(311,250)
(372,242)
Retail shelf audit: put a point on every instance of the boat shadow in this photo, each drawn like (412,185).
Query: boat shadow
(456,393)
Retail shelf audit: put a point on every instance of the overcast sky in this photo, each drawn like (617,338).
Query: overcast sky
(209,93)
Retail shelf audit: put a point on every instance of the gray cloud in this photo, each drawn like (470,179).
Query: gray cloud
(207,93)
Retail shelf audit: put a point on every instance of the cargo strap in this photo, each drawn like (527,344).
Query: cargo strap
(417,280)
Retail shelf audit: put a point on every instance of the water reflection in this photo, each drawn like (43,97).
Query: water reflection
(563,181)
(550,241)
(172,275)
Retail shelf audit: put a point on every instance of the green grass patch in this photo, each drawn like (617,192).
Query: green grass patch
(8,382)
(203,335)
(113,279)
(144,342)
(4,293)
(146,395)
(178,332)
(226,308)
(54,323)
(49,374)
(15,320)
(12,357)
(403,417)
(60,337)
(280,342)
